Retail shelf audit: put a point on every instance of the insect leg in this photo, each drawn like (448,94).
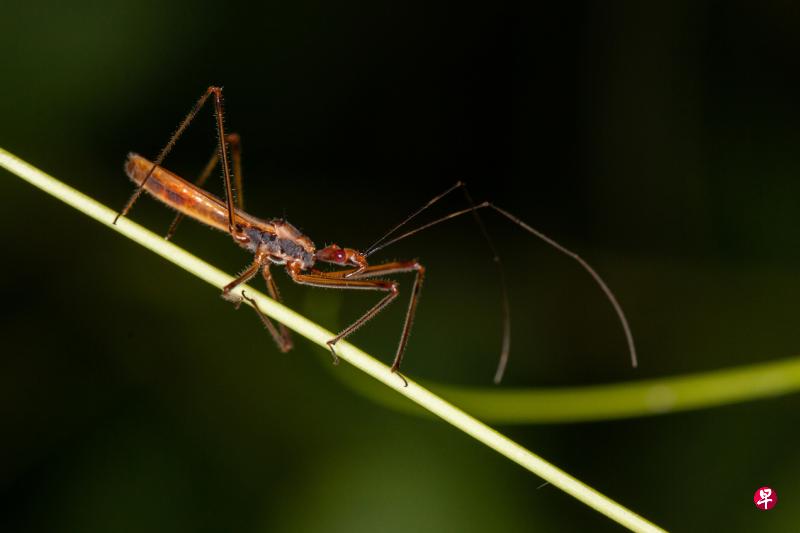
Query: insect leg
(166,150)
(399,267)
(235,144)
(259,260)
(506,307)
(339,281)
(244,277)
(396,267)
(281,335)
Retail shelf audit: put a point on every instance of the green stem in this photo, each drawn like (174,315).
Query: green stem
(607,402)
(626,400)
(346,351)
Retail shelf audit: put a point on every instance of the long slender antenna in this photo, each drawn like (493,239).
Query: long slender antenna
(506,346)
(374,249)
(411,216)
(602,284)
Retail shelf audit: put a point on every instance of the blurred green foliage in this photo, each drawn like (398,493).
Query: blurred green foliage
(657,139)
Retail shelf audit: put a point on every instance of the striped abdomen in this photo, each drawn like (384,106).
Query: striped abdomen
(178,193)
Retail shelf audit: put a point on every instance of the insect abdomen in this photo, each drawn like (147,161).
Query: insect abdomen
(178,193)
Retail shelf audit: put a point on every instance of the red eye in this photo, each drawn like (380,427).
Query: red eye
(333,254)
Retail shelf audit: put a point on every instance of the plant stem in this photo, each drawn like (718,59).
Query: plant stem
(346,351)
(650,397)
(627,400)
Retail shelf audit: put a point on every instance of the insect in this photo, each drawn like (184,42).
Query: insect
(277,242)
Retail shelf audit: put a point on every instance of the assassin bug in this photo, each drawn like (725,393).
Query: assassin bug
(277,242)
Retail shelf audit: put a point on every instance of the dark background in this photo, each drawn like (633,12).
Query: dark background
(660,140)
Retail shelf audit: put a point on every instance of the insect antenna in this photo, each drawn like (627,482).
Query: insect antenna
(506,344)
(591,271)
(408,219)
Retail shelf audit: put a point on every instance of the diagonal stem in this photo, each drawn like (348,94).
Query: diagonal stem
(345,350)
